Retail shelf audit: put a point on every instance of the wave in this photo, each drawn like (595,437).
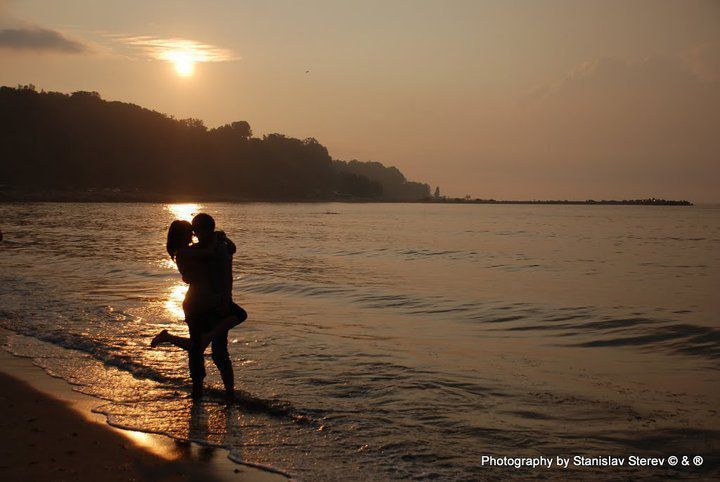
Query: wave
(110,357)
(486,260)
(640,330)
(202,442)
(680,338)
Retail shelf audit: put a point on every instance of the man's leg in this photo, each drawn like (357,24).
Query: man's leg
(196,358)
(221,358)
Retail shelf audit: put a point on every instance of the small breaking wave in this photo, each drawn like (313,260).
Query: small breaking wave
(110,357)
(640,330)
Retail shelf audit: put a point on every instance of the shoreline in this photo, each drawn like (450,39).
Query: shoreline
(51,433)
(122,198)
(10,194)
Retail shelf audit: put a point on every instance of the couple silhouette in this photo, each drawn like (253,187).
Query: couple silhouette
(206,266)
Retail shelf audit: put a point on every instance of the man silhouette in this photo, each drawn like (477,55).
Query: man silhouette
(215,330)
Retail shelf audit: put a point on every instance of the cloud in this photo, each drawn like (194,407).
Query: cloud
(704,60)
(169,49)
(656,109)
(40,40)
(612,127)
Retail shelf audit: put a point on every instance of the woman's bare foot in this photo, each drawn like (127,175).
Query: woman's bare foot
(159,338)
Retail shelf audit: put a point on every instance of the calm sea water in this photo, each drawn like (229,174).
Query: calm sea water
(391,341)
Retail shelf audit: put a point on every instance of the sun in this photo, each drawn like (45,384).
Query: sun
(184,64)
(183,59)
(182,54)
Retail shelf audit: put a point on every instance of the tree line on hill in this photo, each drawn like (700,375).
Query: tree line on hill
(78,141)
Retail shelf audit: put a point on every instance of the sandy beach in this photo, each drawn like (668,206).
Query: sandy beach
(50,433)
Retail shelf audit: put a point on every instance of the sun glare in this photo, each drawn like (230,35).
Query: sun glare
(181,53)
(174,301)
(184,66)
(184,60)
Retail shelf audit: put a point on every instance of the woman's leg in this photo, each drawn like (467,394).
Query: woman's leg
(237,316)
(165,337)
(196,360)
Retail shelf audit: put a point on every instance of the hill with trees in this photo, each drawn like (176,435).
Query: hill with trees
(53,142)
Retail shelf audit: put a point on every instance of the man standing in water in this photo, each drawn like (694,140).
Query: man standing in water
(209,310)
(221,281)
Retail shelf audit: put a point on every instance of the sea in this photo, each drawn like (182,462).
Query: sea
(390,341)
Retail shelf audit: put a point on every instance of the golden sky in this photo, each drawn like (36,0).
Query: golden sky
(548,99)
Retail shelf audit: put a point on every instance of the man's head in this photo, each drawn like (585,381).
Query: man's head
(203,226)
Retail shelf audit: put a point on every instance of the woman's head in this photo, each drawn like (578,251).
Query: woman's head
(179,236)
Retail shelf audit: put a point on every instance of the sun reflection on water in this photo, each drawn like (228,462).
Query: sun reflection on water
(183,211)
(173,304)
(154,444)
(167,263)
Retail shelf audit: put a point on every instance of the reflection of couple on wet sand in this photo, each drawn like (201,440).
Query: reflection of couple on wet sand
(209,310)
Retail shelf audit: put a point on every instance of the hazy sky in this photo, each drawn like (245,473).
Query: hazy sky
(504,99)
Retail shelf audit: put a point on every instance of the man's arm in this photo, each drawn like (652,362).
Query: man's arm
(222,238)
(224,253)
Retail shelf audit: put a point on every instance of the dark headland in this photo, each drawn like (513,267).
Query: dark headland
(80,148)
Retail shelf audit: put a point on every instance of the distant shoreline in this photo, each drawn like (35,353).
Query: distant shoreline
(115,196)
(590,202)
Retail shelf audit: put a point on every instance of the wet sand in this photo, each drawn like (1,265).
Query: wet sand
(49,433)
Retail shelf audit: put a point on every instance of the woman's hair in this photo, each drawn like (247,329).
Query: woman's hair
(179,236)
